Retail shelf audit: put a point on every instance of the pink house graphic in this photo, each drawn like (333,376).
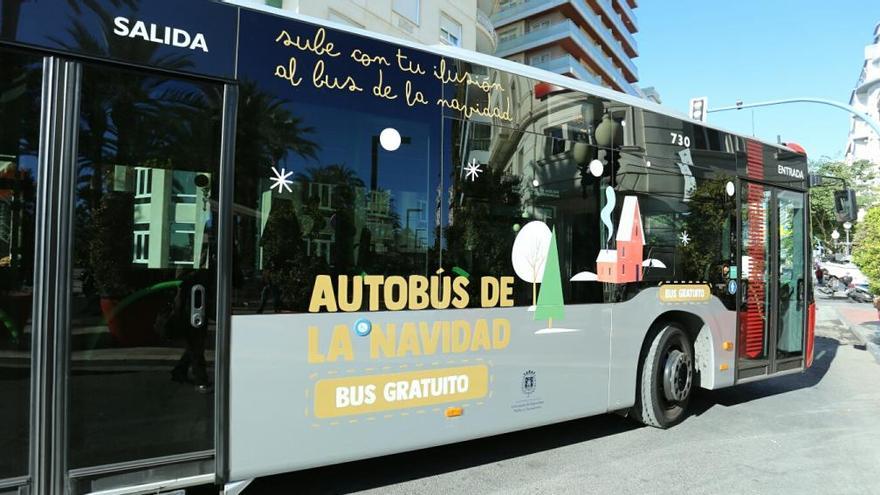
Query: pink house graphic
(624,264)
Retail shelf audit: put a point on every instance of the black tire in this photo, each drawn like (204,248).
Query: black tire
(662,401)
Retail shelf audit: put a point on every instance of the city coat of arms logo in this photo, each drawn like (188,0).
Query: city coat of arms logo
(528,382)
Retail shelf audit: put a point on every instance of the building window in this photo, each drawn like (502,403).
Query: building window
(540,24)
(408,9)
(450,31)
(555,143)
(183,186)
(141,251)
(539,58)
(323,193)
(481,137)
(182,244)
(143,182)
(508,34)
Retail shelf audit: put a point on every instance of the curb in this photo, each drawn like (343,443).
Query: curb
(864,335)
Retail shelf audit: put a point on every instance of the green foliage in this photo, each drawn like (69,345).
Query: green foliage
(285,262)
(550,300)
(711,213)
(282,240)
(345,183)
(858,176)
(866,251)
(111,242)
(480,235)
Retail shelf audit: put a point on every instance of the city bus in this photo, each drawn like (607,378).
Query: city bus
(236,242)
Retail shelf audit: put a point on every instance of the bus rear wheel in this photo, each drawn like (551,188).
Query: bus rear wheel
(667,379)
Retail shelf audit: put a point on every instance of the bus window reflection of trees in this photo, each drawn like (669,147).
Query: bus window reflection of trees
(350,208)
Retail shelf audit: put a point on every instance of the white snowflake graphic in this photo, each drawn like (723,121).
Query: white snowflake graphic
(472,170)
(684,238)
(281,180)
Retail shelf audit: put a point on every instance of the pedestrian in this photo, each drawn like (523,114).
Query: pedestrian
(819,273)
(877,305)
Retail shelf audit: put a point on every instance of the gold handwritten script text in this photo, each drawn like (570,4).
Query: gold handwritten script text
(414,97)
(322,80)
(443,73)
(486,111)
(318,44)
(382,90)
(405,65)
(366,59)
(289,72)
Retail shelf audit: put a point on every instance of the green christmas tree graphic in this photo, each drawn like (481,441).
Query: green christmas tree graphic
(550,302)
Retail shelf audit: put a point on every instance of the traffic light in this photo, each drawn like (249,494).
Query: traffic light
(699,107)
(845,205)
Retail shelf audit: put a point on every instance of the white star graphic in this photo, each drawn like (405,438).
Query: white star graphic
(684,238)
(281,180)
(472,170)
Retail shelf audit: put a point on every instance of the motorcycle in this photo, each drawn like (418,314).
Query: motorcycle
(860,293)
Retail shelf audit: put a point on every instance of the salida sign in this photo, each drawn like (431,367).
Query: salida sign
(195,37)
(164,35)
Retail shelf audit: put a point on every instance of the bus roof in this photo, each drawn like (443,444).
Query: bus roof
(501,64)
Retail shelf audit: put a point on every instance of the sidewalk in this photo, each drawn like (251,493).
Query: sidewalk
(862,320)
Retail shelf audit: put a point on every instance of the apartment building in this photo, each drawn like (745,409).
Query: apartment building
(862,142)
(461,23)
(591,40)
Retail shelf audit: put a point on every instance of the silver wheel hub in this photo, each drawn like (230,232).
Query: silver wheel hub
(677,376)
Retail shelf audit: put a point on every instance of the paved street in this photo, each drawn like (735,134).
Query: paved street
(817,432)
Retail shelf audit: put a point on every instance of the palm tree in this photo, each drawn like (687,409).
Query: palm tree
(344,184)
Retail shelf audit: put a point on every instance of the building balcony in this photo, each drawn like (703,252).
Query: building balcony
(569,35)
(862,95)
(608,11)
(487,38)
(572,8)
(569,65)
(632,22)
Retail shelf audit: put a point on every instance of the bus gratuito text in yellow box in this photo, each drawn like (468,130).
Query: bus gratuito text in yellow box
(377,393)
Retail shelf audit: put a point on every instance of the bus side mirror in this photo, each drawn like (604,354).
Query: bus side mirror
(845,205)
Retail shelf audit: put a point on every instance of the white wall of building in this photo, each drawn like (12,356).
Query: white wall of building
(863,142)
(417,20)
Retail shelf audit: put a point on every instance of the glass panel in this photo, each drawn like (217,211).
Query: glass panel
(755,303)
(20,81)
(685,188)
(791,275)
(332,182)
(542,184)
(349,207)
(143,245)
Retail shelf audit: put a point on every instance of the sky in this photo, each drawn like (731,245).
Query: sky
(759,50)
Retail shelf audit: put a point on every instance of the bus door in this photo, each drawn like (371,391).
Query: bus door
(144,268)
(773,281)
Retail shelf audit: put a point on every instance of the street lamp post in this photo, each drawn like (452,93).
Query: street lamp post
(377,141)
(846,227)
(822,101)
(835,235)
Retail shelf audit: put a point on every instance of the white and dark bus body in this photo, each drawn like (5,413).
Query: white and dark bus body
(236,243)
